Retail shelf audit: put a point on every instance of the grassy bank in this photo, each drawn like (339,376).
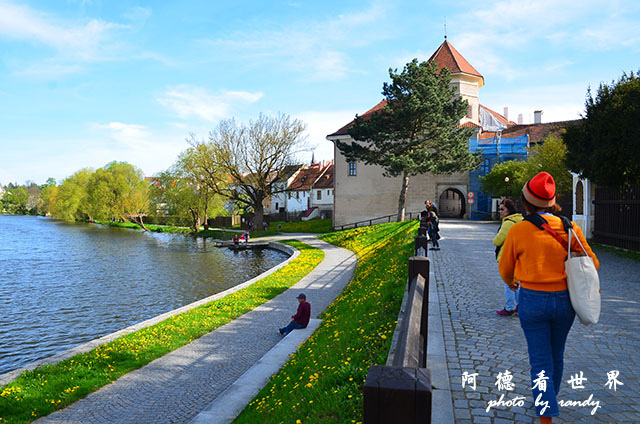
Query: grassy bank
(322,382)
(51,387)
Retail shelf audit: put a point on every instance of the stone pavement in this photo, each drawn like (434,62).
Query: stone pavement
(479,341)
(178,386)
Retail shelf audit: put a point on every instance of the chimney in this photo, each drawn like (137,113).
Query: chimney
(506,113)
(519,119)
(537,117)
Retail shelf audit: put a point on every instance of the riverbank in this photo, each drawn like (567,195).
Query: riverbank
(51,387)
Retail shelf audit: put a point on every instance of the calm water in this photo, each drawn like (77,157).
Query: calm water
(64,284)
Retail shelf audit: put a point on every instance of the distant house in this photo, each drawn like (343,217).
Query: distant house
(278,202)
(312,188)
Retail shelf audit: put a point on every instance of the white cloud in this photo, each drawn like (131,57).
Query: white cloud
(126,134)
(190,101)
(318,49)
(83,41)
(500,33)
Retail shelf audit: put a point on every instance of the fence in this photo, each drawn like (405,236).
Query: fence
(617,217)
(378,220)
(400,391)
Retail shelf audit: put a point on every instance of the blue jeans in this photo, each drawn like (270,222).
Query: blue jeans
(510,298)
(546,318)
(433,235)
(292,326)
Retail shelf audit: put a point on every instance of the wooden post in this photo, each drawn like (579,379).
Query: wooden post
(397,395)
(419,265)
(421,241)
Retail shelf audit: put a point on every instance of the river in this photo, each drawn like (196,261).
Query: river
(63,284)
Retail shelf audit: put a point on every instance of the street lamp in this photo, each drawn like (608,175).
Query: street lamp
(506,187)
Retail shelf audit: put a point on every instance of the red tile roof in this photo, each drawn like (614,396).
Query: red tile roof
(448,57)
(312,175)
(537,132)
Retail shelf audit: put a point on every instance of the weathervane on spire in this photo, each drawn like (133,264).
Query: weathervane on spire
(445,27)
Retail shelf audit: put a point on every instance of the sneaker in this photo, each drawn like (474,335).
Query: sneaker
(281,332)
(505,313)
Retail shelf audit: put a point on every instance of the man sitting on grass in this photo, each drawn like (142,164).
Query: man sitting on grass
(301,318)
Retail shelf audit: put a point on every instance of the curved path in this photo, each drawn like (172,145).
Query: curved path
(183,383)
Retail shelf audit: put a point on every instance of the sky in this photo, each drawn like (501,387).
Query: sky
(87,82)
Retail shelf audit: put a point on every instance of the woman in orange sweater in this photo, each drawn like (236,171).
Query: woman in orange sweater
(533,260)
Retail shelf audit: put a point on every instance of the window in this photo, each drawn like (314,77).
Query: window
(352,169)
(319,194)
(298,195)
(486,166)
(328,192)
(470,111)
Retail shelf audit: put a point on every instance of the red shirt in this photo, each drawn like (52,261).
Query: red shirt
(303,314)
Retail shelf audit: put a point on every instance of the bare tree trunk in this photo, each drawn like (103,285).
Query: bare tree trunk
(195,220)
(402,200)
(258,217)
(206,213)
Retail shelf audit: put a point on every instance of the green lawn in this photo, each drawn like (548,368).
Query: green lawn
(322,382)
(51,387)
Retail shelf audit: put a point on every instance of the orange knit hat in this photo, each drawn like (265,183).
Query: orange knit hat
(540,190)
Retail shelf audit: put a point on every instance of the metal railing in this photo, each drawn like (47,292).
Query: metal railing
(378,220)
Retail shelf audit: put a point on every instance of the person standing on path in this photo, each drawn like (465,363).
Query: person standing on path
(534,259)
(301,318)
(509,217)
(429,214)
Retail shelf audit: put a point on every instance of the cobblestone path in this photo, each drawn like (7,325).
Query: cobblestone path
(479,341)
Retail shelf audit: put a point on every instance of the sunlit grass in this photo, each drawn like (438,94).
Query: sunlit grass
(322,382)
(51,387)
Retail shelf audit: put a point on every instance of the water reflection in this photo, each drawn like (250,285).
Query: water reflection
(63,284)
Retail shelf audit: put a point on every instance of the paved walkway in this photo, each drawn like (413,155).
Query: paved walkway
(180,385)
(479,341)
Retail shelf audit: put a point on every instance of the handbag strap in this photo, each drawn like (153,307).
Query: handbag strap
(542,223)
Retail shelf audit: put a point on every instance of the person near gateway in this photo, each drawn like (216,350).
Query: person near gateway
(430,214)
(533,260)
(301,318)
(509,217)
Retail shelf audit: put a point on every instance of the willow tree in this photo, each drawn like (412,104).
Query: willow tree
(417,132)
(244,161)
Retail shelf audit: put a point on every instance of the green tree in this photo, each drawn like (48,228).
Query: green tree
(118,191)
(70,201)
(549,156)
(15,200)
(182,191)
(418,130)
(604,146)
(48,193)
(242,162)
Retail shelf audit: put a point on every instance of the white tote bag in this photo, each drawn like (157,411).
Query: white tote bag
(583,283)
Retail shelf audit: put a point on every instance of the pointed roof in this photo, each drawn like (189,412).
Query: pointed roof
(448,57)
(445,56)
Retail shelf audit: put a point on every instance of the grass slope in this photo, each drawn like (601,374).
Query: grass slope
(322,382)
(51,387)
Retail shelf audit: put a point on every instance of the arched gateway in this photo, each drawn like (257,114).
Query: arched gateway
(451,204)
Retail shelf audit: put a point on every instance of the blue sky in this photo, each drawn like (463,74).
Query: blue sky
(83,83)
